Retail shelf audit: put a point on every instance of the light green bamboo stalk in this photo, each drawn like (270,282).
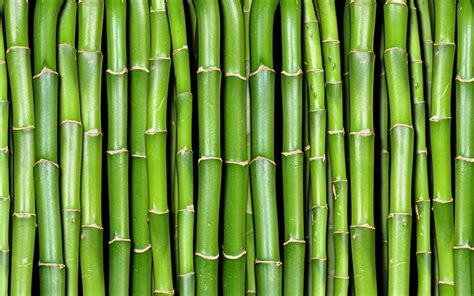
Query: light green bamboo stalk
(440,131)
(262,81)
(70,129)
(23,124)
(317,142)
(235,150)
(155,136)
(361,142)
(5,198)
(139,49)
(346,47)
(464,161)
(330,232)
(334,97)
(90,19)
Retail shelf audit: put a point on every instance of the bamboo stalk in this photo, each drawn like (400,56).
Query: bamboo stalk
(423,12)
(464,161)
(440,130)
(70,129)
(5,199)
(90,20)
(235,150)
(24,214)
(139,49)
(361,142)
(346,48)
(155,138)
(334,93)
(262,169)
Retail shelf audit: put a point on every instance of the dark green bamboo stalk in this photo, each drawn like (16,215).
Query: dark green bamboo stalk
(361,142)
(117,152)
(139,49)
(262,81)
(334,93)
(5,198)
(317,142)
(70,129)
(235,149)
(346,47)
(184,155)
(210,162)
(425,34)
(421,190)
(90,19)
(464,165)
(440,131)
(23,124)
(155,138)
(292,150)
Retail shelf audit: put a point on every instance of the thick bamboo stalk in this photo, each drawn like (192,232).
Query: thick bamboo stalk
(155,138)
(139,50)
(361,142)
(262,170)
(70,131)
(317,142)
(421,190)
(235,149)
(5,198)
(464,161)
(440,131)
(23,124)
(334,97)
(184,155)
(210,162)
(90,20)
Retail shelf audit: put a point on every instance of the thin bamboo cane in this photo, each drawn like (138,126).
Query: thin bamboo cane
(24,214)
(90,20)
(464,161)
(423,15)
(155,138)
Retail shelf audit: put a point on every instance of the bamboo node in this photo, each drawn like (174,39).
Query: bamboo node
(294,241)
(342,277)
(317,110)
(54,265)
(428,41)
(260,68)
(251,292)
(401,125)
(394,214)
(43,71)
(236,162)
(4,250)
(160,58)
(271,262)
(259,158)
(4,150)
(93,133)
(184,151)
(17,47)
(312,21)
(396,48)
(188,208)
(464,158)
(93,225)
(437,118)
(449,283)
(192,273)
(119,239)
(66,45)
(71,210)
(154,131)
(204,158)
(363,133)
(422,151)
(208,69)
(323,258)
(314,70)
(337,132)
(339,181)
(343,232)
(443,201)
(118,151)
(316,158)
(333,82)
(45,161)
(207,257)
(462,247)
(142,250)
(423,252)
(385,151)
(66,121)
(308,147)
(325,206)
(234,257)
(330,41)
(177,50)
(158,212)
(157,10)
(441,43)
(166,292)
(361,51)
(464,80)
(292,74)
(89,52)
(294,152)
(6,198)
(23,128)
(233,74)
(23,215)
(365,225)
(138,68)
(117,73)
(416,62)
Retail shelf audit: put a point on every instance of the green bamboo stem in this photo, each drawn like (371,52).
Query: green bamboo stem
(90,20)
(423,12)
(139,49)
(117,150)
(464,161)
(24,214)
(210,162)
(317,142)
(307,180)
(184,155)
(70,129)
(440,130)
(5,198)
(235,150)
(250,282)
(155,138)
(263,171)
(331,251)
(346,47)
(334,97)
(292,150)
(421,190)
(361,142)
